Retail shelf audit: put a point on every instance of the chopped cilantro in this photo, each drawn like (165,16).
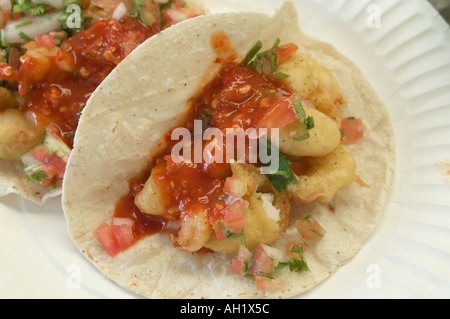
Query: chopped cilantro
(247,265)
(24,36)
(284,176)
(28,6)
(136,11)
(307,122)
(23,24)
(39,175)
(265,62)
(295,264)
(232,236)
(3,42)
(253,51)
(70,135)
(31,167)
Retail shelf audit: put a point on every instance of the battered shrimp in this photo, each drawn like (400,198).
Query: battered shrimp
(324,137)
(195,231)
(18,135)
(149,199)
(7,100)
(322,177)
(266,216)
(315,83)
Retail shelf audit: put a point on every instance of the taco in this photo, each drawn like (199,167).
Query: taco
(165,226)
(53,58)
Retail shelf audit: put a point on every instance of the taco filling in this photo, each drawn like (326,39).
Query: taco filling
(228,164)
(52,58)
(233,206)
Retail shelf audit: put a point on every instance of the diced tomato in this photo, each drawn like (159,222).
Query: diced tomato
(235,186)
(289,247)
(282,113)
(54,165)
(236,265)
(124,236)
(220,235)
(352,130)
(310,229)
(234,215)
(104,234)
(233,220)
(286,51)
(263,263)
(45,40)
(175,15)
(115,238)
(267,284)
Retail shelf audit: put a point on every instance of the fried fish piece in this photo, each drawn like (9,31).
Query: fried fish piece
(18,135)
(323,138)
(323,177)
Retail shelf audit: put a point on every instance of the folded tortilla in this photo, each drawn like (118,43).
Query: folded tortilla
(14,181)
(146,96)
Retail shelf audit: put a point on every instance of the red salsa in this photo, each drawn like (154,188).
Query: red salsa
(92,54)
(239,97)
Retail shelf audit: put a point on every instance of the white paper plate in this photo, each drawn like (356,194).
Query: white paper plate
(406,57)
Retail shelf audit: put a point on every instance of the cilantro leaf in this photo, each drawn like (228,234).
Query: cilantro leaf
(253,51)
(285,175)
(232,236)
(28,6)
(136,11)
(265,62)
(307,122)
(39,175)
(24,36)
(297,264)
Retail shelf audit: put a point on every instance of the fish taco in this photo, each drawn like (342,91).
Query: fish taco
(160,198)
(54,54)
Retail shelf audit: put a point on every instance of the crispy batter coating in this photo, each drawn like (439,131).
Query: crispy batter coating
(324,137)
(18,135)
(7,100)
(323,177)
(260,228)
(315,83)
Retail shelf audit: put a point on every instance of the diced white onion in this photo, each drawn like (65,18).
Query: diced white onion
(172,225)
(123,221)
(120,11)
(271,211)
(39,25)
(274,253)
(176,16)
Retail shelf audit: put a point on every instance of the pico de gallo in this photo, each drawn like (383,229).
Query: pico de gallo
(196,203)
(54,54)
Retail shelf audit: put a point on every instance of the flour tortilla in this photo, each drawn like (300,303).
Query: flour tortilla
(146,96)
